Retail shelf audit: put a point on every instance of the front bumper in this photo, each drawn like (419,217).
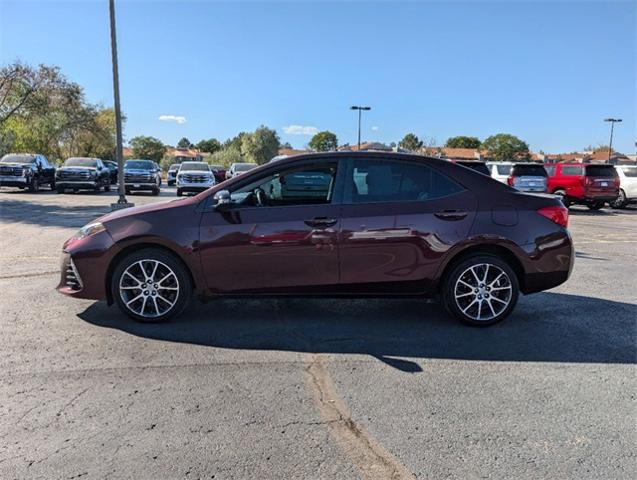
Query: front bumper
(194,186)
(13,181)
(141,186)
(76,184)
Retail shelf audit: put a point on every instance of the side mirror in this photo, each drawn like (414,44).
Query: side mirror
(223,199)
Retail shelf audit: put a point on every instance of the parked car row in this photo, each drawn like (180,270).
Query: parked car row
(592,185)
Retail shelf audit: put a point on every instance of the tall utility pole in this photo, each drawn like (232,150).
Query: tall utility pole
(612,121)
(119,152)
(360,109)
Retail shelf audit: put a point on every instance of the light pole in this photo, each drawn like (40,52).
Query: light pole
(360,109)
(612,121)
(119,154)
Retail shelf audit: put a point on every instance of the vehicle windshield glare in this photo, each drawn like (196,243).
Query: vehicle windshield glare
(528,170)
(81,162)
(196,166)
(139,164)
(600,171)
(244,167)
(17,159)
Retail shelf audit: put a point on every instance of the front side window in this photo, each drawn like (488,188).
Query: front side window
(307,185)
(629,171)
(375,181)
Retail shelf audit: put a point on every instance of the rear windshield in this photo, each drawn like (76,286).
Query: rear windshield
(81,162)
(195,166)
(528,170)
(17,159)
(600,171)
(476,166)
(503,169)
(140,164)
(630,171)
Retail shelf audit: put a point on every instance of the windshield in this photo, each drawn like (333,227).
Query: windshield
(528,170)
(173,167)
(195,166)
(476,166)
(243,167)
(17,159)
(81,162)
(630,171)
(503,169)
(140,164)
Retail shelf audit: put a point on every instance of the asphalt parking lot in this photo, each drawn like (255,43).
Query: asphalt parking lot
(314,388)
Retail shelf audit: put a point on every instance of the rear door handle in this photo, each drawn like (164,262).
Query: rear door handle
(321,222)
(451,214)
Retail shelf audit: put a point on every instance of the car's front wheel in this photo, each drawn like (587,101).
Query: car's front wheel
(480,290)
(596,205)
(151,285)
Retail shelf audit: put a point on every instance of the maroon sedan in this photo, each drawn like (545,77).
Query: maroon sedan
(349,223)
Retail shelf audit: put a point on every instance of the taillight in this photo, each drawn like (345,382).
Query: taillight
(510,180)
(557,214)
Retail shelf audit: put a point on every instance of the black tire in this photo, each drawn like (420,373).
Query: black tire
(107,187)
(456,276)
(97,188)
(620,202)
(183,295)
(563,197)
(179,192)
(155,191)
(596,205)
(34,186)
(170,184)
(59,189)
(52,185)
(127,190)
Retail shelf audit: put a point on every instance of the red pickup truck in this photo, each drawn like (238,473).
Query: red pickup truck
(583,183)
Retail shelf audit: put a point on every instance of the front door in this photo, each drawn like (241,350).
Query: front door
(279,234)
(398,219)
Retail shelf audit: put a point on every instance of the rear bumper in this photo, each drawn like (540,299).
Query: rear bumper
(549,262)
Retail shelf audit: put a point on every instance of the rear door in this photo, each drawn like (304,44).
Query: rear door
(398,219)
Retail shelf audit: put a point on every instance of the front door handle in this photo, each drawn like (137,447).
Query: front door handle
(451,214)
(321,222)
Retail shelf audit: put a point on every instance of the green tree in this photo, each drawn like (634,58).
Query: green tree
(323,142)
(411,142)
(504,146)
(261,145)
(210,146)
(150,148)
(184,143)
(234,142)
(225,157)
(463,142)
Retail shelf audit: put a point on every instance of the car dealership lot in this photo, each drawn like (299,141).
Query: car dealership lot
(301,388)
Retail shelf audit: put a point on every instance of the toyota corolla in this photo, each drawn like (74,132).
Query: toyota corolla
(335,224)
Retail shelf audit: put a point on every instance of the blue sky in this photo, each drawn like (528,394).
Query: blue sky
(549,72)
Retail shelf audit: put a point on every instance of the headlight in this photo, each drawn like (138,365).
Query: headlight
(90,229)
(26,172)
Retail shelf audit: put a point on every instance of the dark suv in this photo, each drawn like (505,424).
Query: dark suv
(26,171)
(330,224)
(83,173)
(142,175)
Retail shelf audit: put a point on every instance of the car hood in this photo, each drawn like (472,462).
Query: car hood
(196,172)
(137,170)
(13,165)
(153,207)
(77,169)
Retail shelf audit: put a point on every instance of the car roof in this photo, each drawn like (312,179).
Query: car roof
(344,155)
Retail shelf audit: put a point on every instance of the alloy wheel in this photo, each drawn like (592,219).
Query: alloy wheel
(149,288)
(483,291)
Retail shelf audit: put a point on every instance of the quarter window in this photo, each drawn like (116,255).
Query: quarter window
(395,181)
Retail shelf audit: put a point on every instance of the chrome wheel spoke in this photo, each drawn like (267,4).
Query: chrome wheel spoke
(149,297)
(479,302)
(498,300)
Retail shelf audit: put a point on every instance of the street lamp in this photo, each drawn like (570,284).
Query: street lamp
(360,109)
(119,154)
(612,121)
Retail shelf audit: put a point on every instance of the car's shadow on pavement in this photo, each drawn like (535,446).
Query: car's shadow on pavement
(546,327)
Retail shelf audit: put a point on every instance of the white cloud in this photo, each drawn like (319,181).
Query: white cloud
(300,130)
(375,128)
(173,118)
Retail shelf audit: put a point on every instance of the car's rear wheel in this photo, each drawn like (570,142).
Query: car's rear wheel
(151,285)
(563,197)
(596,205)
(156,191)
(621,201)
(34,186)
(107,186)
(480,290)
(59,189)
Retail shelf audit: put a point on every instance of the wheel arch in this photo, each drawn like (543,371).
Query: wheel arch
(497,250)
(134,248)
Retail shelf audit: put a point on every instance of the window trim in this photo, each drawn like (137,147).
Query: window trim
(347,192)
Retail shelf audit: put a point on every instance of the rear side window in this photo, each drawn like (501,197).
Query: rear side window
(550,171)
(477,167)
(573,170)
(600,171)
(630,171)
(375,181)
(504,169)
(528,170)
